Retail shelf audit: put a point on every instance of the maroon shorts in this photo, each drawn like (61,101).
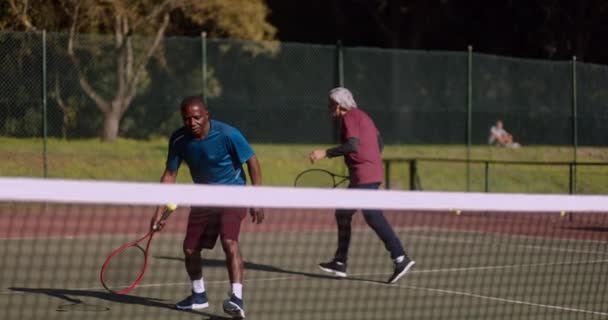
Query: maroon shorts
(206,224)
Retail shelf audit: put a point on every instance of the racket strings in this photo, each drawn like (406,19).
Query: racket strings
(318,179)
(123,269)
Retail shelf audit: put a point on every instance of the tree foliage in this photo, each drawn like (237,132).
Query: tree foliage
(138,28)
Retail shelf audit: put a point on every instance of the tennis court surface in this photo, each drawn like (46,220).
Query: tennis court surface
(500,262)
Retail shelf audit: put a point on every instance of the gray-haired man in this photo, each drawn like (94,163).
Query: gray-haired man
(361,147)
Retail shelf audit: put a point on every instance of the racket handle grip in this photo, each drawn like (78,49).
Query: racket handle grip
(166,212)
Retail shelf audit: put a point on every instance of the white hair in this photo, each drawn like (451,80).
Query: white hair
(343,97)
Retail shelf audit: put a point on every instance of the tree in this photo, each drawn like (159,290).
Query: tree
(127,20)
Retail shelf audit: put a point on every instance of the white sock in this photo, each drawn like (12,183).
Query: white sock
(399,259)
(237,290)
(198,286)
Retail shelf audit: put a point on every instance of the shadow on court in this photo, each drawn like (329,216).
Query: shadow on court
(215,263)
(89,301)
(72,297)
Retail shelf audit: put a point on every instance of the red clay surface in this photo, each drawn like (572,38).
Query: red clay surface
(31,221)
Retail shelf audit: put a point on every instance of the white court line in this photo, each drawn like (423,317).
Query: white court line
(514,266)
(73,237)
(536,247)
(434,238)
(496,234)
(561,249)
(465,269)
(478,296)
(443,291)
(153,285)
(473,295)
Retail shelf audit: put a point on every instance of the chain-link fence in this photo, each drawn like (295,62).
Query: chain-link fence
(277,93)
(21,85)
(416,97)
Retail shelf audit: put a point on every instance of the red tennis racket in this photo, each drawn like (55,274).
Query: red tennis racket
(124,268)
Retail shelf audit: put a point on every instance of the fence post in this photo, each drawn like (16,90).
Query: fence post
(571,176)
(387,174)
(469,111)
(574,126)
(413,174)
(204,64)
(487,176)
(45,168)
(339,64)
(339,83)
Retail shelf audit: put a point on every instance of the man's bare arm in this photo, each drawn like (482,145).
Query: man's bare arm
(255,173)
(167,177)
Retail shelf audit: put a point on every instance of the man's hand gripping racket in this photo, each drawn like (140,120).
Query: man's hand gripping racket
(124,268)
(158,223)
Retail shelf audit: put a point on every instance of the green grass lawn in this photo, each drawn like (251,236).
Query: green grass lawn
(134,160)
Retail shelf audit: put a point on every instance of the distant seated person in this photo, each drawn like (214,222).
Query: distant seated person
(500,137)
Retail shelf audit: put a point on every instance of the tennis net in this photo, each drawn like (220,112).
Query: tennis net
(484,256)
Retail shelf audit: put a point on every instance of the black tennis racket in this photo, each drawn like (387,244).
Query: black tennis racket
(124,268)
(319,178)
